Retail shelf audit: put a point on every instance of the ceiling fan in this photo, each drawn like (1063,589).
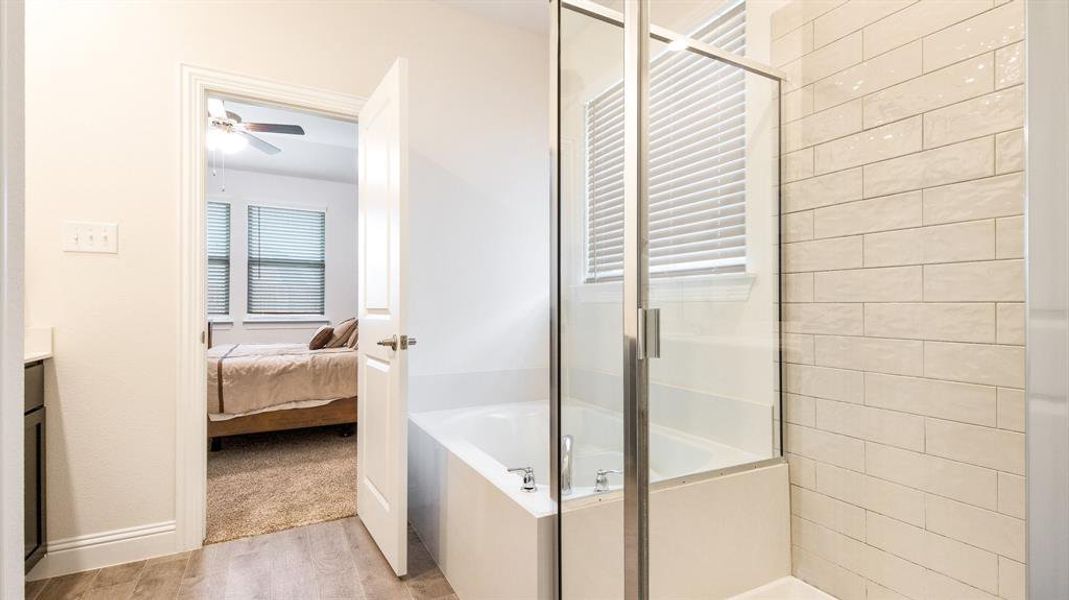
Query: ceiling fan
(227,132)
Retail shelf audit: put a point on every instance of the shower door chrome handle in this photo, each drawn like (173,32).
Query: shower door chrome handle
(649,333)
(390,342)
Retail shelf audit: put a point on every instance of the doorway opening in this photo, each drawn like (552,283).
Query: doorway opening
(281,300)
(379,233)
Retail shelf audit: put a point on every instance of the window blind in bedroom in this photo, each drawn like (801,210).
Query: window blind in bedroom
(697,162)
(286,261)
(218,258)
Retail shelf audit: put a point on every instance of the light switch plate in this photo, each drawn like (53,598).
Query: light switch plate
(90,237)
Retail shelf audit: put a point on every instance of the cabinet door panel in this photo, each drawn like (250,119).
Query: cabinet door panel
(34,507)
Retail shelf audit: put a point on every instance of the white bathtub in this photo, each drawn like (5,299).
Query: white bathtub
(493,540)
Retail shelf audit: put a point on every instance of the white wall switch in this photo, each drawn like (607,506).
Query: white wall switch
(90,237)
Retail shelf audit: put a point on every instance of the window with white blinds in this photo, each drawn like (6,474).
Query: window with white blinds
(697,162)
(286,261)
(218,258)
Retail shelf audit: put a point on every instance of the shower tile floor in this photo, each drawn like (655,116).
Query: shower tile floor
(785,588)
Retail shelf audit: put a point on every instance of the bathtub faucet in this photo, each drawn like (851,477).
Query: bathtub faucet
(566,465)
(528,478)
(601,481)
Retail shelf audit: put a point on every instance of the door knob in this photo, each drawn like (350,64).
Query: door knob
(394,342)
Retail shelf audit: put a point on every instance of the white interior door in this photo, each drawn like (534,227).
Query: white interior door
(382,459)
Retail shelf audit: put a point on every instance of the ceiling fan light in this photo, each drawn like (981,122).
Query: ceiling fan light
(233,142)
(226,142)
(212,139)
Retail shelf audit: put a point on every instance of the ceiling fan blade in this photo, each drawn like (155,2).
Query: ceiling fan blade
(233,116)
(274,128)
(259,144)
(215,108)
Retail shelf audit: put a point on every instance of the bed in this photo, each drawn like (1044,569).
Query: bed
(254,388)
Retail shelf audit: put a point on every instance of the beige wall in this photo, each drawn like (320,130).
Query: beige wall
(103,144)
(903,202)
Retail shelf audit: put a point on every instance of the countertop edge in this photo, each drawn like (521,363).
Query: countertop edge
(36,356)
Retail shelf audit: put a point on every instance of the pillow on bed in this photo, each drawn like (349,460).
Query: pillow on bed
(352,338)
(342,331)
(321,337)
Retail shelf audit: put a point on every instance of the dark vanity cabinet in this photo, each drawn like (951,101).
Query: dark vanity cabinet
(34,425)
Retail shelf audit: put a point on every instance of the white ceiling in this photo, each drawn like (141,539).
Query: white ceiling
(530,15)
(326,151)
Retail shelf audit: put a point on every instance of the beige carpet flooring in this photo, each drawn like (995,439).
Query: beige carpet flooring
(267,482)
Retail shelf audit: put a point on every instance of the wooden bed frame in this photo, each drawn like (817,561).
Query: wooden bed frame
(338,412)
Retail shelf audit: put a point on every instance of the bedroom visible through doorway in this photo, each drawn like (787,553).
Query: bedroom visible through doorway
(281,300)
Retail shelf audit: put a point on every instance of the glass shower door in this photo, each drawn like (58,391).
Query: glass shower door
(717,521)
(668,304)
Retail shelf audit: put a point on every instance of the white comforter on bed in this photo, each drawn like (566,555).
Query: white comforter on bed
(248,378)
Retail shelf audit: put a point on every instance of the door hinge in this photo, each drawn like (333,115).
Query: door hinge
(649,333)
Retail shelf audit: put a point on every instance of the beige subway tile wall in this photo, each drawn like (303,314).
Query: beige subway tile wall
(903,294)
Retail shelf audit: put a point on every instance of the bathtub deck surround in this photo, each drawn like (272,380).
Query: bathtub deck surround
(904,289)
(732,529)
(467,508)
(465,505)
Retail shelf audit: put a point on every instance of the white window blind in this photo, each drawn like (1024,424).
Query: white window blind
(697,162)
(286,261)
(218,258)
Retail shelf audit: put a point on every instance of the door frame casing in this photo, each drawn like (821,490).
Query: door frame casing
(191,451)
(12,235)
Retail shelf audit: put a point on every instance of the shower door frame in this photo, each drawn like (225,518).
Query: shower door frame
(637,33)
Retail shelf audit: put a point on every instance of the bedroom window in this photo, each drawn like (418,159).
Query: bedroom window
(286,261)
(697,157)
(218,259)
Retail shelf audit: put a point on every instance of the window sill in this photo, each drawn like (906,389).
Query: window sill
(722,287)
(286,320)
(220,320)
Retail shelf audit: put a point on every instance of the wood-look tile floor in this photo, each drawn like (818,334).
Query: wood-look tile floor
(334,560)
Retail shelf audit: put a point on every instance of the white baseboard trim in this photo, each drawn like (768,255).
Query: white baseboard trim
(106,548)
